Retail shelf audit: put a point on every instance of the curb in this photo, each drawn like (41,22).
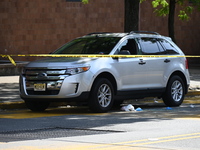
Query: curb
(12,105)
(21,104)
(192,93)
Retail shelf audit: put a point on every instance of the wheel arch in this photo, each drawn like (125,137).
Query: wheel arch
(110,77)
(182,76)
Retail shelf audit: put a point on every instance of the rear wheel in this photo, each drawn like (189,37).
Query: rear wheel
(175,92)
(37,105)
(101,98)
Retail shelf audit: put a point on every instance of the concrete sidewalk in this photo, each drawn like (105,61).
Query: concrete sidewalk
(10,99)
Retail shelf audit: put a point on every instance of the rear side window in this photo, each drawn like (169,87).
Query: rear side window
(150,46)
(170,49)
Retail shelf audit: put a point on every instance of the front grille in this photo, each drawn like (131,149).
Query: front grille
(44,74)
(53,79)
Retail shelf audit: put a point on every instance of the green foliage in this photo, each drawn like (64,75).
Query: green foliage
(187,6)
(163,3)
(163,11)
(196,3)
(183,14)
(85,1)
(162,7)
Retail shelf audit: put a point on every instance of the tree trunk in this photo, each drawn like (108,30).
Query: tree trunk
(172,5)
(131,22)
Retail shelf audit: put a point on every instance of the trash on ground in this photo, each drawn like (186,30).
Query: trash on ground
(169,108)
(192,106)
(128,108)
(155,100)
(139,109)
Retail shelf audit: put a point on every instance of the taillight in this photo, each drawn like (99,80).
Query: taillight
(186,64)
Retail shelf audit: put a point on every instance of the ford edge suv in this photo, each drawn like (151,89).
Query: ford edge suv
(106,68)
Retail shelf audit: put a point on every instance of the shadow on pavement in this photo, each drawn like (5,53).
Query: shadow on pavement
(9,92)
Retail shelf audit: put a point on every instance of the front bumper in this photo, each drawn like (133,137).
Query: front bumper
(71,87)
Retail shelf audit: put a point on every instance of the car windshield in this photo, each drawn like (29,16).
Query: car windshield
(91,45)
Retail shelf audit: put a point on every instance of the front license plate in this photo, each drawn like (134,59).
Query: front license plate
(40,87)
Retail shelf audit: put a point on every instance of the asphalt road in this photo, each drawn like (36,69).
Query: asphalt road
(155,127)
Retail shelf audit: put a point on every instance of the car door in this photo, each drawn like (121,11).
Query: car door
(131,70)
(155,66)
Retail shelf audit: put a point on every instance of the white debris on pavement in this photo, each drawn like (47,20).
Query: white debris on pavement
(128,108)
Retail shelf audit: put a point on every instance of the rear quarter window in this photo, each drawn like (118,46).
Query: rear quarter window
(170,49)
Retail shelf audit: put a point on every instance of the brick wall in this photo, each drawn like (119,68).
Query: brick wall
(186,32)
(41,26)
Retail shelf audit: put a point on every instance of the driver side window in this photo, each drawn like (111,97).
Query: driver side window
(129,46)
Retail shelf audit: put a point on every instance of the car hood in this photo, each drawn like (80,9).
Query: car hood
(60,62)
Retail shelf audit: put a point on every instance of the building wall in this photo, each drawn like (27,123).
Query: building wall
(186,32)
(41,26)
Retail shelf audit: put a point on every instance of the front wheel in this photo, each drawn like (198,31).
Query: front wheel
(102,96)
(37,106)
(175,92)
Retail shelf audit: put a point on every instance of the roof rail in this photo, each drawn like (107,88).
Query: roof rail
(97,33)
(148,32)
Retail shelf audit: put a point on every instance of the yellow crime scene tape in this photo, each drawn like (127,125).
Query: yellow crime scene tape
(86,55)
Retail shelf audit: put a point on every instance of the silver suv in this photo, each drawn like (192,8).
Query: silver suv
(102,82)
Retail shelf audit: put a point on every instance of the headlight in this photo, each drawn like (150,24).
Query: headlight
(72,71)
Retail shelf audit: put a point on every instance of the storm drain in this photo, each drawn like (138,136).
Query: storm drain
(46,133)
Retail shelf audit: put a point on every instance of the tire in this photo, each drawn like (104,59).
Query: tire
(37,106)
(175,92)
(102,96)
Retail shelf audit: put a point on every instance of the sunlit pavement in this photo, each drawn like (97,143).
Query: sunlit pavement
(153,109)
(149,105)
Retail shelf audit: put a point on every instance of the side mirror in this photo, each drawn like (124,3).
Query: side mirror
(124,52)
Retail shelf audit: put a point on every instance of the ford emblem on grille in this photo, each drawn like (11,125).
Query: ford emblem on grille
(42,75)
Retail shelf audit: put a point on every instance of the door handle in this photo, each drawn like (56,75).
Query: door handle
(166,60)
(142,62)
